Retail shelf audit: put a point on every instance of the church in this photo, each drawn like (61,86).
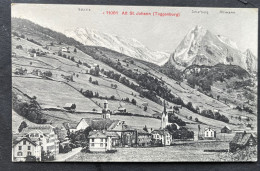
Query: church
(165,117)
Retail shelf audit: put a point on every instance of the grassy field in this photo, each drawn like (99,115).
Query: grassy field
(177,153)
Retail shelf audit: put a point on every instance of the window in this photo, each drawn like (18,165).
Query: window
(20,147)
(92,139)
(24,142)
(29,147)
(92,144)
(19,154)
(101,139)
(101,145)
(207,134)
(32,135)
(29,153)
(212,134)
(36,135)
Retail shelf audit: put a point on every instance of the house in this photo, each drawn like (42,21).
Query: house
(37,72)
(33,54)
(99,141)
(242,140)
(226,129)
(64,49)
(70,106)
(144,138)
(23,147)
(115,138)
(161,137)
(44,136)
(209,134)
(81,125)
(121,110)
(20,71)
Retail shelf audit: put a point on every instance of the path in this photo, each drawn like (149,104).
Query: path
(61,157)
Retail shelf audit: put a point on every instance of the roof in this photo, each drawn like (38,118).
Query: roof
(209,129)
(141,131)
(44,128)
(227,127)
(68,104)
(97,134)
(241,138)
(19,139)
(160,131)
(114,124)
(112,134)
(68,125)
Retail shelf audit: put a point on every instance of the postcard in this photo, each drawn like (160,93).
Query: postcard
(99,83)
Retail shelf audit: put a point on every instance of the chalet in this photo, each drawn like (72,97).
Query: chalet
(99,141)
(161,137)
(70,106)
(242,140)
(226,129)
(44,136)
(23,147)
(209,134)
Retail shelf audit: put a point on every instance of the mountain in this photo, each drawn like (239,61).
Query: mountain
(127,46)
(202,47)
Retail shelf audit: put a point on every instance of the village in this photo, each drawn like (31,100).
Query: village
(73,103)
(46,143)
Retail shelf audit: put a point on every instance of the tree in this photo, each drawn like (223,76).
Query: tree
(22,126)
(196,119)
(218,97)
(190,117)
(75,50)
(145,129)
(133,101)
(145,108)
(90,79)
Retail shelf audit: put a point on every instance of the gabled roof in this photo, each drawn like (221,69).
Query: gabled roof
(19,139)
(241,138)
(97,134)
(44,128)
(227,127)
(141,131)
(160,131)
(114,124)
(209,129)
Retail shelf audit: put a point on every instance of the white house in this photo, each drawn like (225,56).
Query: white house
(23,147)
(44,136)
(209,133)
(64,49)
(99,141)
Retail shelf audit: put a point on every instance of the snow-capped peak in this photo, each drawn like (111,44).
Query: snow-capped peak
(227,41)
(127,46)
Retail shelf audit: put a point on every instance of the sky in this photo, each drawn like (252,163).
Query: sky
(155,32)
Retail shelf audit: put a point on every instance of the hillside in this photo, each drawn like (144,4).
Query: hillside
(76,73)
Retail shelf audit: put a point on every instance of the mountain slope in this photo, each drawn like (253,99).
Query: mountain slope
(130,47)
(202,47)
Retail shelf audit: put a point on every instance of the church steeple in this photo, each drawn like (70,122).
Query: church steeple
(164,121)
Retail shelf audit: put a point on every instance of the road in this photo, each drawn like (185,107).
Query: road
(61,157)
